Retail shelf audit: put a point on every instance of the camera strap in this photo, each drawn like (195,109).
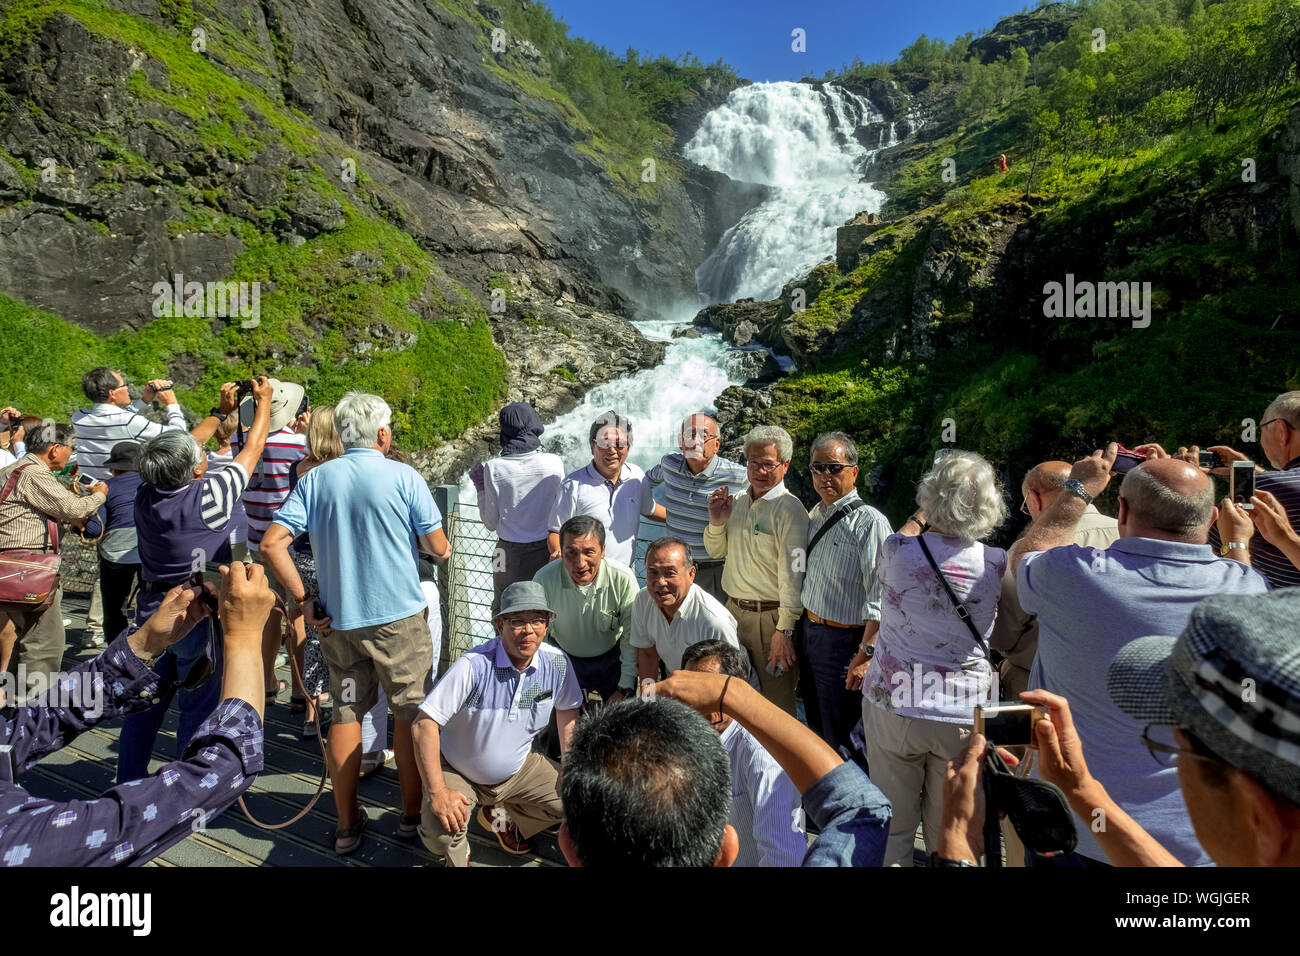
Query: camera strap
(830,523)
(962,612)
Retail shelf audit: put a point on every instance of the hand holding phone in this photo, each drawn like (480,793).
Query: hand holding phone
(1008,723)
(1242,484)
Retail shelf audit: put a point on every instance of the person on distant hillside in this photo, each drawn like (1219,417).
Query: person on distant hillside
(1002,163)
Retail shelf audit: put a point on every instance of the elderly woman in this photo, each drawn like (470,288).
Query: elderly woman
(182,522)
(930,668)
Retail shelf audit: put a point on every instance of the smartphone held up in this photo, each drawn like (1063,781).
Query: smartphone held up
(1242,487)
(1008,723)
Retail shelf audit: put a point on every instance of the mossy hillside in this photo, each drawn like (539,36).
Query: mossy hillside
(315,308)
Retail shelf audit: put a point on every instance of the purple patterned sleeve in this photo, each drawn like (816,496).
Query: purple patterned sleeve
(135,822)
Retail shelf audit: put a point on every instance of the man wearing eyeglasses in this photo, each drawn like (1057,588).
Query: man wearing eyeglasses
(1090,603)
(1279,439)
(115,418)
(762,531)
(610,489)
(841,593)
(474,733)
(689,478)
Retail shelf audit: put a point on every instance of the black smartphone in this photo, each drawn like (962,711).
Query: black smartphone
(1210,459)
(1125,461)
(205,595)
(1243,484)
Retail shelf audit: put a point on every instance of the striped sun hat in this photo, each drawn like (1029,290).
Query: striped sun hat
(1231,679)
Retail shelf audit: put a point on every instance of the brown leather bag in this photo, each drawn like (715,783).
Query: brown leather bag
(29,579)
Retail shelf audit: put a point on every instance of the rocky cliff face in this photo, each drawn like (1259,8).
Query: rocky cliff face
(126,158)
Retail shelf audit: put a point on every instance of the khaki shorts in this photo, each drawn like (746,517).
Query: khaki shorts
(397,655)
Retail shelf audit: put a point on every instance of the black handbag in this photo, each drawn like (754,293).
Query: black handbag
(1037,809)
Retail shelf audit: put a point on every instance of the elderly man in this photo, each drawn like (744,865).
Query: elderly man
(182,522)
(365,515)
(841,593)
(762,532)
(1236,763)
(764,803)
(114,418)
(1090,603)
(610,489)
(1279,439)
(1015,633)
(517,496)
(592,596)
(32,504)
(689,479)
(476,728)
(670,613)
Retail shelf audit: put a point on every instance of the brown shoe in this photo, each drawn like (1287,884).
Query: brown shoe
(508,836)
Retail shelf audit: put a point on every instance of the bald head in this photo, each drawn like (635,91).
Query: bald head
(1042,484)
(698,439)
(1167,498)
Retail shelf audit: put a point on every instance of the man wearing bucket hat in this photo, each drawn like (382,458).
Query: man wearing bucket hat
(1220,703)
(268,486)
(474,735)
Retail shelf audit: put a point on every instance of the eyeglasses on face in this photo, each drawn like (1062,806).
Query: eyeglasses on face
(532,624)
(1024,506)
(702,436)
(762,467)
(616,445)
(828,467)
(1159,740)
(1272,420)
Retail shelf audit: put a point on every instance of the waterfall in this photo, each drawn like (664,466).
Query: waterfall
(797,139)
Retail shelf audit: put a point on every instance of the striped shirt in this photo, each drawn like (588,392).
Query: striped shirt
(221,491)
(763,804)
(38,494)
(840,583)
(687,495)
(268,486)
(99,429)
(1264,558)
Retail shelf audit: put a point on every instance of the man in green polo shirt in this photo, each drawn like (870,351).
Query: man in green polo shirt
(592,598)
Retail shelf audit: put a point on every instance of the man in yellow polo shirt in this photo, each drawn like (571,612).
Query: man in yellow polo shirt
(592,598)
(762,532)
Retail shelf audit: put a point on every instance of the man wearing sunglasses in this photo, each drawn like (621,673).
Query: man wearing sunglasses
(1217,704)
(841,592)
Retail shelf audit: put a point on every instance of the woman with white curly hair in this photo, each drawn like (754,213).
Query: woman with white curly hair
(930,667)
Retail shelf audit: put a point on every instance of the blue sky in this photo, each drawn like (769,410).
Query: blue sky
(754,36)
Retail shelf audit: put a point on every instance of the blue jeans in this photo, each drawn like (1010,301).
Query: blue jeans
(141,729)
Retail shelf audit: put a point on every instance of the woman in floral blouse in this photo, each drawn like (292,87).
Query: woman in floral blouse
(929,672)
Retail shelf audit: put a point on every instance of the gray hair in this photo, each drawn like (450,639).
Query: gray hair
(1156,504)
(167,461)
(1286,407)
(358,417)
(771,435)
(42,437)
(836,438)
(960,496)
(671,541)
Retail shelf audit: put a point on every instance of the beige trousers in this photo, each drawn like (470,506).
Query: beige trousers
(530,799)
(754,630)
(909,761)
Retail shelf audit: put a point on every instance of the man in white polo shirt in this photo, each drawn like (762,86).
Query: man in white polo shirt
(609,488)
(670,613)
(474,734)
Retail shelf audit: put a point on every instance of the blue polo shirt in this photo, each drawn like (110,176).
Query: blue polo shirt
(489,711)
(364,514)
(1090,603)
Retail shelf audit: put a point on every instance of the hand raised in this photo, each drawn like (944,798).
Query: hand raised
(720,506)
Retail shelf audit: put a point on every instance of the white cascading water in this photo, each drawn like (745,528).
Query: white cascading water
(778,134)
(796,138)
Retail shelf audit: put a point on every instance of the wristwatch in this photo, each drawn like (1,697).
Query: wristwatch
(937,860)
(868,649)
(1076,486)
(787,631)
(1229,545)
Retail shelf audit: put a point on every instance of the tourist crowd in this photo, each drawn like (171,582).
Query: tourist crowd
(781,686)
